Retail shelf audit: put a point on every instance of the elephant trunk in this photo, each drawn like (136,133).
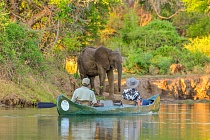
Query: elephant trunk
(119,70)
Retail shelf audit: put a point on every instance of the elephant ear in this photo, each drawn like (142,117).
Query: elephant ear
(102,57)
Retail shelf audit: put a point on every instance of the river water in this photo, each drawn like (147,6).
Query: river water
(173,122)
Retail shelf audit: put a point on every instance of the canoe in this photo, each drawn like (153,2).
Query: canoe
(66,107)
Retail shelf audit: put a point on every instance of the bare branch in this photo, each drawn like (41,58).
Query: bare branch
(57,34)
(14,9)
(39,15)
(18,16)
(162,17)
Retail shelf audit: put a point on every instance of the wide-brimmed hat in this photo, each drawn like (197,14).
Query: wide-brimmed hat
(86,81)
(132,82)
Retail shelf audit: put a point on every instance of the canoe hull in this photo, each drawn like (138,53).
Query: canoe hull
(66,107)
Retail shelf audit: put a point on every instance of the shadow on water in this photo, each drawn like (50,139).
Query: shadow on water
(107,127)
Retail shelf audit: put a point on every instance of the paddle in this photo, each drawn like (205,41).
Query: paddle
(45,104)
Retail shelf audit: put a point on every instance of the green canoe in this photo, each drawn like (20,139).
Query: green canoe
(66,107)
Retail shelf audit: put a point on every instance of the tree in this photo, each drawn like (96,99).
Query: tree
(169,8)
(65,24)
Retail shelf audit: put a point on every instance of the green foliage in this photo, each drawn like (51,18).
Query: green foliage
(156,45)
(160,33)
(3,16)
(130,24)
(197,5)
(152,36)
(19,52)
(192,24)
(72,43)
(82,21)
(151,49)
(200,27)
(142,62)
(168,51)
(21,44)
(162,63)
(138,61)
(193,59)
(161,25)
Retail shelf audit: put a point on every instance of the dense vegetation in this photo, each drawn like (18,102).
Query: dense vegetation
(37,36)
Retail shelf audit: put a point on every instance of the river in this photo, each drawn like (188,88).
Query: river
(173,122)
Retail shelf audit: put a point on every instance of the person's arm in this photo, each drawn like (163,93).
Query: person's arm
(95,103)
(93,98)
(73,99)
(139,97)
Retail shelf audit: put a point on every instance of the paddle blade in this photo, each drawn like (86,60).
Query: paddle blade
(45,105)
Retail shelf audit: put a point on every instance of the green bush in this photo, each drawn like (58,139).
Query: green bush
(151,49)
(152,36)
(200,27)
(162,63)
(138,61)
(19,51)
(20,44)
(193,59)
(168,51)
(153,46)
(192,24)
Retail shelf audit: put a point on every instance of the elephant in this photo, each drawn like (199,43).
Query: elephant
(100,62)
(177,68)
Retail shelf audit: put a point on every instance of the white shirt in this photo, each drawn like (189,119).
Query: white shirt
(84,93)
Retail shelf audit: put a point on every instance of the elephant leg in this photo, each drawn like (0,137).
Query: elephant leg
(110,75)
(92,84)
(102,78)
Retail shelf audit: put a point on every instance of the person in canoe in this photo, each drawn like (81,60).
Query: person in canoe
(131,93)
(84,95)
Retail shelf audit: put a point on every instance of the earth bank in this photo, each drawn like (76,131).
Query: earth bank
(196,87)
(180,88)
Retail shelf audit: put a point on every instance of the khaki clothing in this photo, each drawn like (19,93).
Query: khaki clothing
(84,94)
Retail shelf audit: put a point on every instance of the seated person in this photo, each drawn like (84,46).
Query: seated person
(131,93)
(84,93)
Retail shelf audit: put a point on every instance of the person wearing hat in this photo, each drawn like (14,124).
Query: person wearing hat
(131,93)
(84,93)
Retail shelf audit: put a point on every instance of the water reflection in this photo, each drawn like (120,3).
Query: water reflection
(106,127)
(174,122)
(186,121)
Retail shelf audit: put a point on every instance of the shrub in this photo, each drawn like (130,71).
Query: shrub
(152,36)
(162,62)
(19,49)
(157,40)
(192,24)
(200,27)
(193,59)
(201,44)
(21,44)
(138,61)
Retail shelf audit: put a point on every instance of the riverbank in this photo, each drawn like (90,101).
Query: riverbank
(172,89)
